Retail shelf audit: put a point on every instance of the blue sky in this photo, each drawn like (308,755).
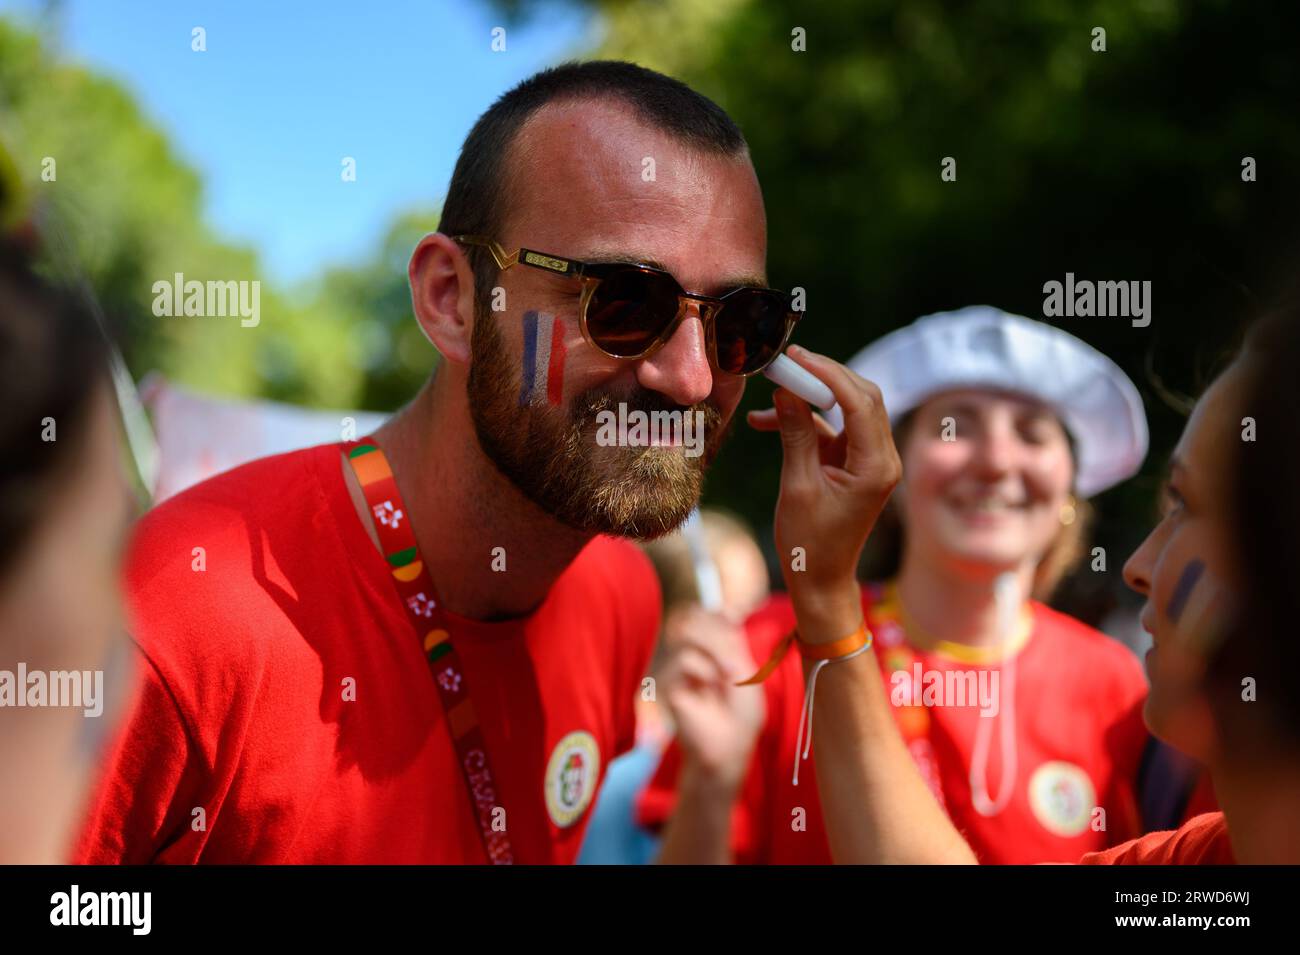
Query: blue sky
(287,88)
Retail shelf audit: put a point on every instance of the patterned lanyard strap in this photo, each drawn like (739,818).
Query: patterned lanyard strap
(415,588)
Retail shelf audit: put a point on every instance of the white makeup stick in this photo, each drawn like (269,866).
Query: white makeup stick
(794,377)
(708,582)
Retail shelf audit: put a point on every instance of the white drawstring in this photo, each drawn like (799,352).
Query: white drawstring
(806,712)
(1007,592)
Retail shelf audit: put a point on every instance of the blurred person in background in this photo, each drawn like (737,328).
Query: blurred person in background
(1220,604)
(1005,426)
(714,560)
(65,505)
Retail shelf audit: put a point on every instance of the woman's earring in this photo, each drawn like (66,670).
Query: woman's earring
(1068,512)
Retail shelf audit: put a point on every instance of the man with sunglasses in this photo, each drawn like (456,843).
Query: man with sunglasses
(423,645)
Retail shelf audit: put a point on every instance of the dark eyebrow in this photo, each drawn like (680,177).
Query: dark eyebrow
(1177,476)
(622,258)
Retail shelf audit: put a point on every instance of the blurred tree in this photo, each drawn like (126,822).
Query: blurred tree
(1122,164)
(373,301)
(117,206)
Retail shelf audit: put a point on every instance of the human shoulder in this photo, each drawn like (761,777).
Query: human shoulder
(212,573)
(268,495)
(1202,840)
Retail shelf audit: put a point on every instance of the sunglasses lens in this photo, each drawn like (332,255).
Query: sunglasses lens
(629,310)
(751,328)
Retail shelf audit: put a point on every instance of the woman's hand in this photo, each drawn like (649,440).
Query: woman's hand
(833,488)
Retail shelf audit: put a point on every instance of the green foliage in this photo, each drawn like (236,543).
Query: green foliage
(124,212)
(1123,164)
(388,353)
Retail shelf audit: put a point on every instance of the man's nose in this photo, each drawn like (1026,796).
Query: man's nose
(680,369)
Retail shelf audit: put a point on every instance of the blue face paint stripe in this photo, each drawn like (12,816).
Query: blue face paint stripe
(1183,589)
(530,357)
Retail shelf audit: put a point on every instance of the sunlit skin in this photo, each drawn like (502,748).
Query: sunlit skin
(984,503)
(60,609)
(579,193)
(1195,525)
(875,802)
(990,499)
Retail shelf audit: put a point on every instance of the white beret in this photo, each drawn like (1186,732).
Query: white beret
(984,347)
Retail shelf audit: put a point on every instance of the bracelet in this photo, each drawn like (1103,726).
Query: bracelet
(837,651)
(831,652)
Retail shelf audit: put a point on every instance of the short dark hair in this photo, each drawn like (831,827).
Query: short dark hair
(1266,516)
(53,356)
(480,193)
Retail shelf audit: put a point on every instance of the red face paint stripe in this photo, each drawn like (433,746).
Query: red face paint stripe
(555,368)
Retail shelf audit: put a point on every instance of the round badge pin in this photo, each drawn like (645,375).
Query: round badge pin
(571,776)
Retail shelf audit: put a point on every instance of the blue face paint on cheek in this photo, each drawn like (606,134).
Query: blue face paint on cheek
(529,369)
(1183,589)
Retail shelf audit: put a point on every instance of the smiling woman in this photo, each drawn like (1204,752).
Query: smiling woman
(1221,607)
(1023,722)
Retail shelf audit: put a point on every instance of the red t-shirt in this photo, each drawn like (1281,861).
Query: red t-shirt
(1078,741)
(1202,841)
(242,713)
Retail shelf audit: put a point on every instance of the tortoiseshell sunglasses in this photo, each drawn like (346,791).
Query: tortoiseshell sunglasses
(630,311)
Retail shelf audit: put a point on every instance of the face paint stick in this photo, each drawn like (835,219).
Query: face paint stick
(789,375)
(708,582)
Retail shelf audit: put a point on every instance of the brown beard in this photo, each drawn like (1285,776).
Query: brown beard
(551,454)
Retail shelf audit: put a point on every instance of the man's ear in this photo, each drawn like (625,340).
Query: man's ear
(442,295)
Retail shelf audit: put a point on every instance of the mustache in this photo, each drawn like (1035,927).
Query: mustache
(587,405)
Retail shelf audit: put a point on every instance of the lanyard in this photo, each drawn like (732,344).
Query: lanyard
(915,725)
(415,588)
(913,721)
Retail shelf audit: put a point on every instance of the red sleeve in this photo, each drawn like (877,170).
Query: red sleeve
(655,804)
(1203,841)
(149,783)
(636,587)
(1126,738)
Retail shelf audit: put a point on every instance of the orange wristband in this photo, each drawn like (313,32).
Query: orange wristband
(811,651)
(842,647)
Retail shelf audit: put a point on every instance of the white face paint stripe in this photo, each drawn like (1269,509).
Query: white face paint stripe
(542,361)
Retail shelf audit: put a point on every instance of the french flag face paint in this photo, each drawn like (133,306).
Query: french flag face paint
(543,360)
